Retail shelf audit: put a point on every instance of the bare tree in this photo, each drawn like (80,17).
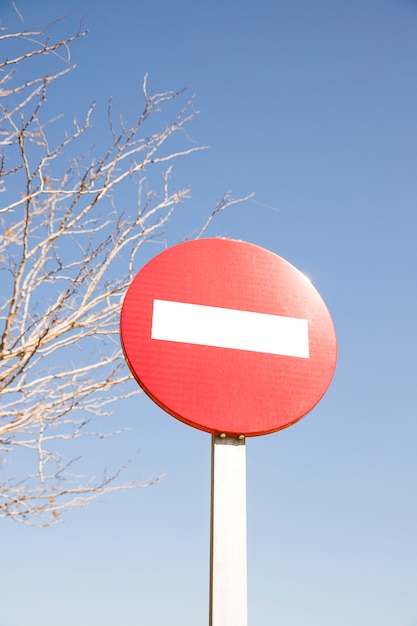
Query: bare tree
(67,255)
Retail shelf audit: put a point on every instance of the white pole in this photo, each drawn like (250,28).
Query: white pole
(228,558)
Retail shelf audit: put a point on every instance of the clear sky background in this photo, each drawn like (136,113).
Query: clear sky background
(311,105)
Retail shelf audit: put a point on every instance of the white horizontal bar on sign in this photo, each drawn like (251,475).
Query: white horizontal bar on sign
(229,328)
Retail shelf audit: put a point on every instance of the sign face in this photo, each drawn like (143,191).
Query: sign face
(228,337)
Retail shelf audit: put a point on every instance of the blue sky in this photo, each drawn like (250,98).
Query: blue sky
(310,104)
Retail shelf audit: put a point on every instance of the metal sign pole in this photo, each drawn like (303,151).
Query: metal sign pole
(228,556)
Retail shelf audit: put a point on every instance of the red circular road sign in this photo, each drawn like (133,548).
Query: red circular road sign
(228,337)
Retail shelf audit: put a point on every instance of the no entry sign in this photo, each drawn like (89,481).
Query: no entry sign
(228,337)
